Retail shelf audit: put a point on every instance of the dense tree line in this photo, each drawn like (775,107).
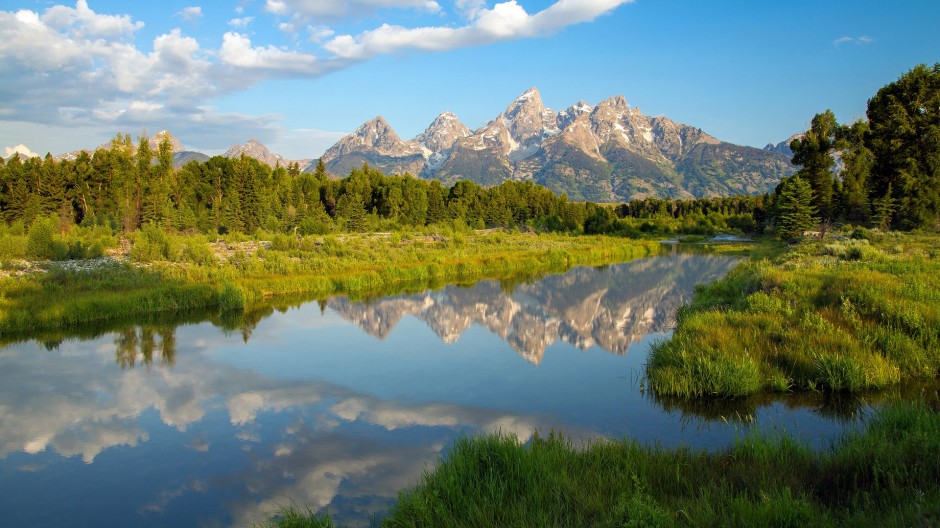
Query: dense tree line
(888,166)
(127,186)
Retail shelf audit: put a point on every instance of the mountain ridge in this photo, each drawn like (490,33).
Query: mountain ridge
(604,152)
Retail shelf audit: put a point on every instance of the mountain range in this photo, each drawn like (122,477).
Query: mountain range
(605,152)
(608,152)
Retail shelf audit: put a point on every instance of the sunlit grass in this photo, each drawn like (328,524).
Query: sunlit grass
(841,315)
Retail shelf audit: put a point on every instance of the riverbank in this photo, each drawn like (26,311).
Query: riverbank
(888,474)
(176,274)
(848,313)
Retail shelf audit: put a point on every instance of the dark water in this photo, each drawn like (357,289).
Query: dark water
(342,404)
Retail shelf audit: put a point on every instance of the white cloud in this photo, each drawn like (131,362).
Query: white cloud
(241,22)
(505,21)
(20,149)
(83,22)
(237,51)
(344,8)
(858,41)
(319,33)
(190,13)
(470,8)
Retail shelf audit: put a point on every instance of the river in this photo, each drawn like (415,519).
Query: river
(210,421)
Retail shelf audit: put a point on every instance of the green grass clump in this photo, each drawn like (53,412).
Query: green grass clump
(885,475)
(847,315)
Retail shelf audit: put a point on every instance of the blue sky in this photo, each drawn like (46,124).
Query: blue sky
(298,74)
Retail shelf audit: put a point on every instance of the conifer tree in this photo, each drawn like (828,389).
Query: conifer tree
(905,141)
(814,154)
(795,210)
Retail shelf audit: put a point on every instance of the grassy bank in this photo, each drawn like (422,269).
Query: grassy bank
(841,314)
(177,274)
(886,475)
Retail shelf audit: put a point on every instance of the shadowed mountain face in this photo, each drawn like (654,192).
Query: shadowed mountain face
(611,307)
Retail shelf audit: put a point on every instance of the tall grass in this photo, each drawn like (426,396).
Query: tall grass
(843,315)
(887,474)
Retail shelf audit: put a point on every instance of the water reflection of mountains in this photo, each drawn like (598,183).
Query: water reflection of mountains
(612,306)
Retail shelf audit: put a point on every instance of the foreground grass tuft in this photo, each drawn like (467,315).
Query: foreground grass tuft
(888,474)
(844,315)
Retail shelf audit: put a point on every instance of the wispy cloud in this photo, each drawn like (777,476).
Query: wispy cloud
(191,13)
(344,8)
(242,22)
(858,41)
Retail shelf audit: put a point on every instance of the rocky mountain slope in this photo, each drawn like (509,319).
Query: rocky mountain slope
(254,149)
(607,152)
(784,146)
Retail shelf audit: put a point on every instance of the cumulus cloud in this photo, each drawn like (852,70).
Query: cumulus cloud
(190,13)
(20,149)
(238,51)
(504,21)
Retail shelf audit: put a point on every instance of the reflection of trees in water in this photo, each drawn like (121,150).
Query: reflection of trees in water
(839,406)
(139,346)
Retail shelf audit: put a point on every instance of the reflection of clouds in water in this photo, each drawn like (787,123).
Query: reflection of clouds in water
(164,498)
(310,459)
(334,442)
(320,466)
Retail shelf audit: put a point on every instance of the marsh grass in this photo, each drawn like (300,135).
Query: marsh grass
(841,315)
(175,273)
(887,474)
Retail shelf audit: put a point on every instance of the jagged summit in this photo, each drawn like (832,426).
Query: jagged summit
(606,152)
(157,138)
(441,135)
(254,149)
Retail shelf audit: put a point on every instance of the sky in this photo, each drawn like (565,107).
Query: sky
(299,74)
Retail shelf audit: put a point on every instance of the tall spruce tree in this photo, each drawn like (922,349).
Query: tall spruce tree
(905,141)
(795,210)
(814,154)
(854,201)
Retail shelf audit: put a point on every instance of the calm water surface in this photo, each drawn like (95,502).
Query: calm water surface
(341,404)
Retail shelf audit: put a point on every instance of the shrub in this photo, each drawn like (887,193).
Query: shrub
(40,243)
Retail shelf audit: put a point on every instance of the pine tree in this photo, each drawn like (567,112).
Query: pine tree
(858,160)
(905,141)
(814,154)
(795,210)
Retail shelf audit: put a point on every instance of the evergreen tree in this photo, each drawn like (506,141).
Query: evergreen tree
(795,210)
(905,141)
(814,154)
(858,160)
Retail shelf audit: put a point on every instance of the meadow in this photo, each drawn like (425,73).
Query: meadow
(845,313)
(151,271)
